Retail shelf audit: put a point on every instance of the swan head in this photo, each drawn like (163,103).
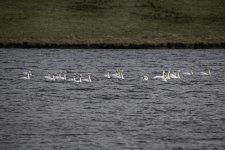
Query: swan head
(29,72)
(89,75)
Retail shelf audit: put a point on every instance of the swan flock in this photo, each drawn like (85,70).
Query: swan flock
(118,74)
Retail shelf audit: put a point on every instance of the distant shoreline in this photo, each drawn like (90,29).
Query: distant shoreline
(115,46)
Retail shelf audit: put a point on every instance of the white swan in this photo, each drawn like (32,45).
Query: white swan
(160,77)
(118,75)
(121,74)
(64,77)
(176,75)
(78,81)
(173,75)
(206,73)
(26,78)
(107,75)
(164,79)
(88,79)
(72,79)
(188,73)
(59,76)
(167,77)
(28,72)
(145,78)
(49,78)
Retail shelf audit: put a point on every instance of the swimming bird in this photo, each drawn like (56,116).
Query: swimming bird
(164,79)
(145,78)
(72,79)
(160,77)
(59,76)
(188,73)
(118,75)
(28,72)
(88,79)
(206,73)
(26,78)
(176,75)
(107,75)
(167,77)
(121,74)
(64,77)
(49,78)
(78,81)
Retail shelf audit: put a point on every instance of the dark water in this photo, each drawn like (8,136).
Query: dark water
(112,114)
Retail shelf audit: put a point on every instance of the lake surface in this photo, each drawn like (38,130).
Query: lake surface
(112,114)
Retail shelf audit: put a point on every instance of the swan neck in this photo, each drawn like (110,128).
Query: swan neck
(121,74)
(80,78)
(89,77)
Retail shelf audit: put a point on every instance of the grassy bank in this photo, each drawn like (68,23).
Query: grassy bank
(123,22)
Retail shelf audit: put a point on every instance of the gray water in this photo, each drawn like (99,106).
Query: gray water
(187,113)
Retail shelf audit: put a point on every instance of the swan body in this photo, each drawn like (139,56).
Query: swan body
(188,73)
(26,78)
(145,78)
(118,75)
(160,77)
(49,78)
(72,79)
(167,77)
(64,78)
(176,75)
(78,81)
(173,76)
(88,79)
(59,77)
(107,75)
(164,79)
(205,73)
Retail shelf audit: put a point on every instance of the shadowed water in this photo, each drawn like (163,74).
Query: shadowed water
(112,114)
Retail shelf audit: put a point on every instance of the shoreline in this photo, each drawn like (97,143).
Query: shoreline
(27,45)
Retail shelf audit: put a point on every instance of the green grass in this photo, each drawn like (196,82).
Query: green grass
(112,21)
